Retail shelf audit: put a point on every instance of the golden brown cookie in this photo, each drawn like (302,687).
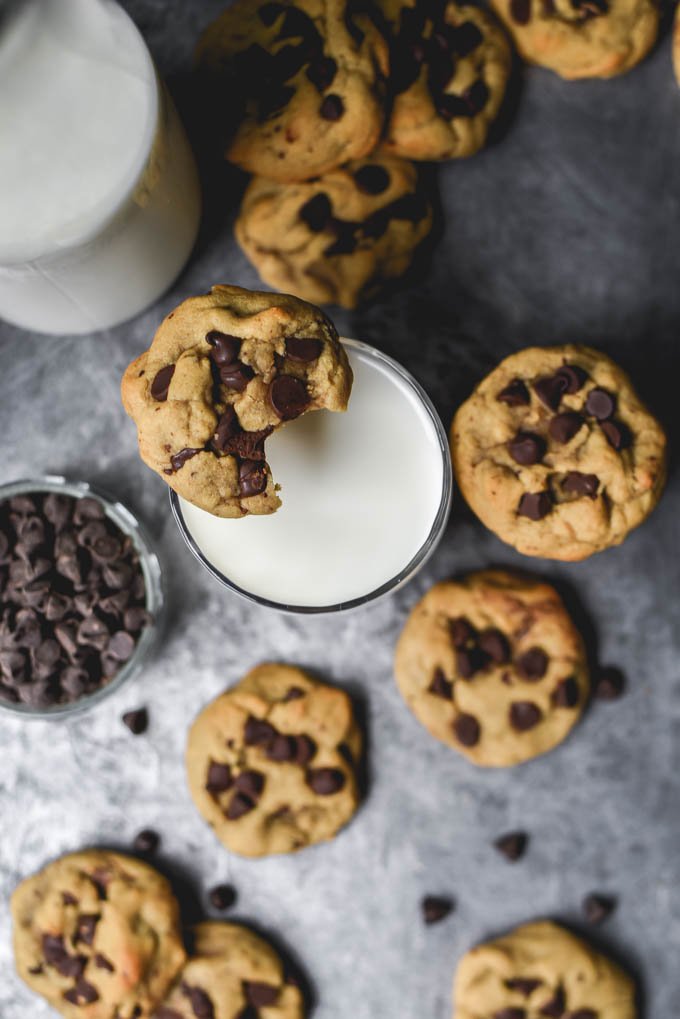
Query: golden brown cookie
(309,78)
(272,762)
(493,666)
(541,970)
(233,974)
(339,238)
(556,454)
(97,934)
(582,38)
(449,68)
(223,371)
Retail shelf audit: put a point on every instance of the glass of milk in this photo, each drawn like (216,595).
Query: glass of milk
(366,496)
(99,195)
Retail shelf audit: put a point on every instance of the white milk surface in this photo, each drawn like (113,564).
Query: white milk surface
(360,493)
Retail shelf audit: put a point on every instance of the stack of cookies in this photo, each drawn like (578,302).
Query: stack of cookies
(334,99)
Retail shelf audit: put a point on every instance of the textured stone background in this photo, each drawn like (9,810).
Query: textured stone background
(566,229)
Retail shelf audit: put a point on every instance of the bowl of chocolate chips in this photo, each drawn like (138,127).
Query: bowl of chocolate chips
(80,596)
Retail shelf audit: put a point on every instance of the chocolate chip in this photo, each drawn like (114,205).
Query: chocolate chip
(462,632)
(465,38)
(441,686)
(523,985)
(225,348)
(250,783)
(236,376)
(74,682)
(600,404)
(435,908)
(609,684)
(345,241)
(616,434)
(470,661)
(281,748)
(565,426)
(510,1013)
(532,664)
(219,778)
(179,459)
(82,994)
(227,427)
(252,477)
(137,721)
(535,505)
(566,693)
(68,899)
(597,908)
(332,108)
(554,1008)
(293,693)
(316,214)
(239,805)
(476,96)
(467,730)
(572,376)
(305,749)
(494,644)
(101,962)
(161,383)
(524,715)
(520,11)
(53,949)
(288,396)
(222,897)
(303,349)
(259,994)
(257,732)
(94,632)
(86,509)
(550,389)
(135,618)
(121,646)
(512,845)
(147,841)
(372,179)
(321,72)
(576,483)
(515,394)
(86,924)
(201,1004)
(325,781)
(57,509)
(526,448)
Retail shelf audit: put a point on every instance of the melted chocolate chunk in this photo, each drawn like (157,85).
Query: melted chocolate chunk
(565,694)
(462,632)
(332,108)
(86,924)
(554,1008)
(161,383)
(345,241)
(372,179)
(524,715)
(225,348)
(515,394)
(259,994)
(526,448)
(252,478)
(201,1004)
(435,908)
(239,805)
(565,426)
(293,693)
(227,427)
(576,483)
(465,38)
(494,644)
(81,994)
(257,732)
(441,686)
(476,97)
(269,12)
(288,396)
(302,349)
(523,985)
(179,459)
(101,962)
(282,748)
(250,783)
(449,105)
(317,212)
(274,100)
(325,781)
(535,505)
(466,729)
(600,404)
(219,778)
(321,72)
(236,376)
(470,661)
(532,665)
(520,11)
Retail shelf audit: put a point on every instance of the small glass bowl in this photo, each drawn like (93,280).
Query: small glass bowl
(151,570)
(418,560)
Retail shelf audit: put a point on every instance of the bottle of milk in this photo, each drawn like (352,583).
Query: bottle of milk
(99,196)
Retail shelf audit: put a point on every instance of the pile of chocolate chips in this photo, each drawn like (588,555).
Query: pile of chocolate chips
(72,599)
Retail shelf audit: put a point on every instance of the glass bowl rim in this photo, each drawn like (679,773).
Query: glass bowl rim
(416,562)
(129,524)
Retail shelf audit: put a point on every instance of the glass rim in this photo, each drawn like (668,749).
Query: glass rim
(150,566)
(416,562)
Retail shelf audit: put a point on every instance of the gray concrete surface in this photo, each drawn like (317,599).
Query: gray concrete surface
(566,229)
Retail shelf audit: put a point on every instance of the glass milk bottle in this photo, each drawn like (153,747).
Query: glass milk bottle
(99,196)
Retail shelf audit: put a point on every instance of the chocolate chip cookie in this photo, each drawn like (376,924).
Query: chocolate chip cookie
(97,934)
(493,666)
(271,762)
(223,371)
(449,68)
(582,38)
(556,454)
(339,238)
(541,970)
(233,974)
(309,78)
